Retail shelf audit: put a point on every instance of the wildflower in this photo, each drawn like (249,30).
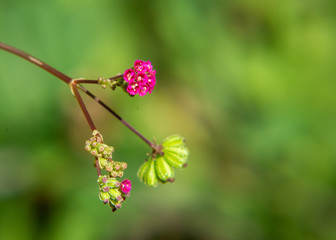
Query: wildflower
(141,79)
(129,75)
(133,88)
(126,186)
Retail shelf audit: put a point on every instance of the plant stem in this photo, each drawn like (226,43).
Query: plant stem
(36,61)
(82,106)
(74,85)
(149,143)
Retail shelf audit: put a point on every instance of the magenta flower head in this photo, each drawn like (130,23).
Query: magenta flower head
(129,75)
(141,78)
(126,186)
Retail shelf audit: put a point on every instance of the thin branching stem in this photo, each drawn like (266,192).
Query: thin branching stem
(74,84)
(36,61)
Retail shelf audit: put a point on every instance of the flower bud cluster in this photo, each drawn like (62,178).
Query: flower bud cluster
(111,191)
(141,78)
(114,168)
(160,167)
(96,146)
(106,82)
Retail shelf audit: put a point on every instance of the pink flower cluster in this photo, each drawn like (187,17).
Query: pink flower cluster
(141,78)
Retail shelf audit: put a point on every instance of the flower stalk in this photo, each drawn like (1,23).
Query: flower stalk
(158,168)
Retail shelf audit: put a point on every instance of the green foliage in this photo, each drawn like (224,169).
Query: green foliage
(249,84)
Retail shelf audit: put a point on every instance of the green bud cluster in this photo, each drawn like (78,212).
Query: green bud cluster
(97,148)
(109,188)
(106,82)
(114,168)
(109,192)
(160,168)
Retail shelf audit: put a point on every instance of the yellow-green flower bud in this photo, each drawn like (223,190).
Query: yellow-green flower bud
(114,174)
(104,196)
(113,183)
(109,166)
(120,173)
(114,193)
(123,165)
(102,162)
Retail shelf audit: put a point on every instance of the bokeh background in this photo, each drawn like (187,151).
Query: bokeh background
(250,84)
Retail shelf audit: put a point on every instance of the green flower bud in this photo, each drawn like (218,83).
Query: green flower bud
(114,174)
(102,162)
(116,166)
(88,148)
(102,179)
(163,169)
(120,173)
(123,165)
(109,166)
(114,193)
(104,196)
(113,183)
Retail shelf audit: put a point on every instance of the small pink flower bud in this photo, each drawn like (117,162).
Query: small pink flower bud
(120,173)
(114,174)
(117,166)
(119,198)
(105,188)
(109,167)
(94,152)
(123,165)
(126,186)
(104,179)
(88,148)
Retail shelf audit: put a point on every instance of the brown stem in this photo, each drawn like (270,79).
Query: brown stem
(149,143)
(86,81)
(97,166)
(82,105)
(74,85)
(36,61)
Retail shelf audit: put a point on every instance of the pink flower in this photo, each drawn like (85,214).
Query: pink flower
(142,78)
(126,186)
(151,81)
(139,66)
(148,66)
(133,88)
(129,75)
(143,90)
(152,72)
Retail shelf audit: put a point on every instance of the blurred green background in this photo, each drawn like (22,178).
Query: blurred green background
(250,84)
